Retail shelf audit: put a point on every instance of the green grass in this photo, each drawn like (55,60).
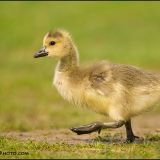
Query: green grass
(31,149)
(122,32)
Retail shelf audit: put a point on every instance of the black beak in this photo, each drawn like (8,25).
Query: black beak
(41,53)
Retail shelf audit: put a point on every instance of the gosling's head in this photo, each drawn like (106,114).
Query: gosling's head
(55,44)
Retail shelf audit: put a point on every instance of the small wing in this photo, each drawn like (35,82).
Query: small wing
(103,76)
(100,78)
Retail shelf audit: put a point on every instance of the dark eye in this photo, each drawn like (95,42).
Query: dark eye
(52,43)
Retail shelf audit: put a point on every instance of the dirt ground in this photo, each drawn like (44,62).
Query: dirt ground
(142,125)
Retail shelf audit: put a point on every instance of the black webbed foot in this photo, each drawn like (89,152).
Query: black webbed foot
(85,129)
(131,139)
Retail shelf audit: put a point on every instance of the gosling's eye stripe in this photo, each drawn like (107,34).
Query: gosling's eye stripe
(52,43)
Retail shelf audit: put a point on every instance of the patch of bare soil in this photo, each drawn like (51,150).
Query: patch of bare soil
(142,125)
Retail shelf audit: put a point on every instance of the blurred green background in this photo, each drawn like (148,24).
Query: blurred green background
(122,32)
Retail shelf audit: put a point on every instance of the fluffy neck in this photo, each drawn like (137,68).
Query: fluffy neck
(70,61)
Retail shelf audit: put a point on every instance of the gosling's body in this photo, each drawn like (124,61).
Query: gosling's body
(115,90)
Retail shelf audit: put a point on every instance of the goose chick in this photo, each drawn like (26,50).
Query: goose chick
(115,90)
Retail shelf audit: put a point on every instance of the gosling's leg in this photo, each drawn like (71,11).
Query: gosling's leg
(96,126)
(130,136)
